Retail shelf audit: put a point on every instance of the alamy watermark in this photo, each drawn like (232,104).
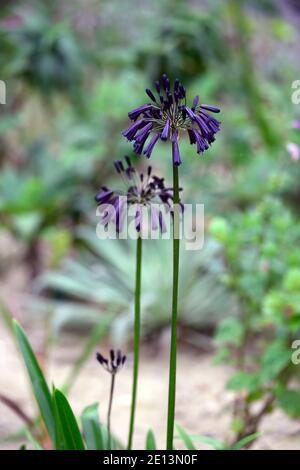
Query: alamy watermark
(2,92)
(154,221)
(295,97)
(296,354)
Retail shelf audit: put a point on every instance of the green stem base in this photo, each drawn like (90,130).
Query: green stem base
(137,333)
(173,349)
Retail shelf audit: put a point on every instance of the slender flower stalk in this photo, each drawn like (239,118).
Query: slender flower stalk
(112,365)
(137,334)
(173,346)
(111,395)
(165,118)
(141,190)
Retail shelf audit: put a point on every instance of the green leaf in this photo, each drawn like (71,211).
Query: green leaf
(150,441)
(237,425)
(243,381)
(289,401)
(39,385)
(275,359)
(32,440)
(230,331)
(185,438)
(238,445)
(215,443)
(92,428)
(68,434)
(7,318)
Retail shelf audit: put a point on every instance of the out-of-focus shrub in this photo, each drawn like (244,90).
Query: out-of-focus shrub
(260,248)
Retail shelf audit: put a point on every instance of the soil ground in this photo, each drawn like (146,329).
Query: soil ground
(203,407)
(203,404)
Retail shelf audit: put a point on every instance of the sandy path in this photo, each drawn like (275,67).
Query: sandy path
(203,407)
(203,404)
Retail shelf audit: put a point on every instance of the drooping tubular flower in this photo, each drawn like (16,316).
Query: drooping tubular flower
(167,116)
(141,190)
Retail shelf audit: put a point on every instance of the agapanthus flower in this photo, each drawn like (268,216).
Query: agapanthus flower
(142,190)
(166,116)
(114,363)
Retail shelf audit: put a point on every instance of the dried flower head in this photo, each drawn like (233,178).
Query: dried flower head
(167,116)
(115,362)
(141,190)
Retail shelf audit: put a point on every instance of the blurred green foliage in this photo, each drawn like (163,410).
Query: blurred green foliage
(262,257)
(41,52)
(103,276)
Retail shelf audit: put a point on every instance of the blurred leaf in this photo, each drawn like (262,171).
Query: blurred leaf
(92,428)
(150,441)
(275,359)
(230,331)
(186,438)
(27,224)
(39,385)
(60,242)
(8,319)
(289,401)
(111,96)
(243,381)
(215,443)
(36,445)
(240,444)
(282,30)
(68,434)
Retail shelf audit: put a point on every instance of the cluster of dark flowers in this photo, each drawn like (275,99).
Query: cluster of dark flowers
(114,363)
(141,190)
(166,116)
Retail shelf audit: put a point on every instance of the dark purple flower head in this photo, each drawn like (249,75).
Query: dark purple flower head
(167,116)
(140,190)
(114,363)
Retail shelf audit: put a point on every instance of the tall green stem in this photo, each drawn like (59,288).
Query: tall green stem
(172,370)
(111,395)
(137,332)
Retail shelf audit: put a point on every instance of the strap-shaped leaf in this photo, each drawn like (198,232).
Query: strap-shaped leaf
(240,444)
(215,443)
(68,433)
(92,428)
(150,441)
(38,382)
(184,436)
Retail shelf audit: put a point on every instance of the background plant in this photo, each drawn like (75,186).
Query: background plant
(260,248)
